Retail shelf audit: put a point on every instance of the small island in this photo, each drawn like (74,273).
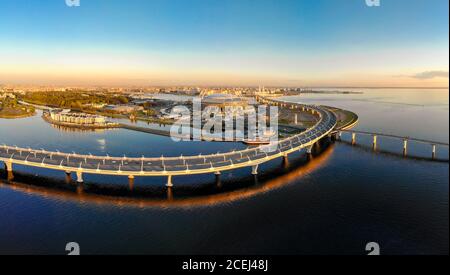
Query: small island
(10,108)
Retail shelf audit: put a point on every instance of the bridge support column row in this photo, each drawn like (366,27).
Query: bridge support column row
(285,161)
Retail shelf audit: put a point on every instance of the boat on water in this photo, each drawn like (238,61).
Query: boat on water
(264,140)
(256,142)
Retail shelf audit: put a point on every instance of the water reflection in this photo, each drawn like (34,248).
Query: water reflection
(76,129)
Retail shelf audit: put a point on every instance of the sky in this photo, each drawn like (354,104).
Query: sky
(308,43)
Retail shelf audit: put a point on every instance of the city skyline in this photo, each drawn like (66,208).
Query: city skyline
(322,43)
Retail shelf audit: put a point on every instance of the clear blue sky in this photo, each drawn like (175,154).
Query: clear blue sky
(216,40)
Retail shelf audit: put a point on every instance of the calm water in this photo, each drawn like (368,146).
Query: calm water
(344,198)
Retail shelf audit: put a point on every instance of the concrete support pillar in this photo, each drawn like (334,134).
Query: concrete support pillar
(375,142)
(332,137)
(433,151)
(296,119)
(131,182)
(8,166)
(285,161)
(353,138)
(255,170)
(169,182)
(80,177)
(340,135)
(309,152)
(218,179)
(405,147)
(9,170)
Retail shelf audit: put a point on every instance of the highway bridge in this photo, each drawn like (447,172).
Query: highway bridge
(176,166)
(406,140)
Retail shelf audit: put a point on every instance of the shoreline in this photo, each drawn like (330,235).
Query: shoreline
(11,117)
(16,117)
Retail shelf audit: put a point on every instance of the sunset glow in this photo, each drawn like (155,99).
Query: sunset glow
(280,43)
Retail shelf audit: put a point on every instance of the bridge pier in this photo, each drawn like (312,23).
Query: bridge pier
(169,181)
(9,170)
(375,142)
(333,137)
(309,152)
(339,135)
(218,179)
(353,138)
(8,166)
(296,119)
(286,158)
(80,177)
(405,147)
(433,151)
(255,170)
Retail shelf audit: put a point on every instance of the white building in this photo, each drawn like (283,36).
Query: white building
(78,118)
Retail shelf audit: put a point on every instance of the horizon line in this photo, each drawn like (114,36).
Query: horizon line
(225,86)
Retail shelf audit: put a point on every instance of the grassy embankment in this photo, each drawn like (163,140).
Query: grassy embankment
(346,119)
(11,109)
(81,101)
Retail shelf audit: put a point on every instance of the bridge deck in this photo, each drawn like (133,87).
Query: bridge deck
(396,136)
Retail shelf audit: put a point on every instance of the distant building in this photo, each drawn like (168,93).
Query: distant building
(224,100)
(78,118)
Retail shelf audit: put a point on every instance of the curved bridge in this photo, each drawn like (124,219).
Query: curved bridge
(175,166)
